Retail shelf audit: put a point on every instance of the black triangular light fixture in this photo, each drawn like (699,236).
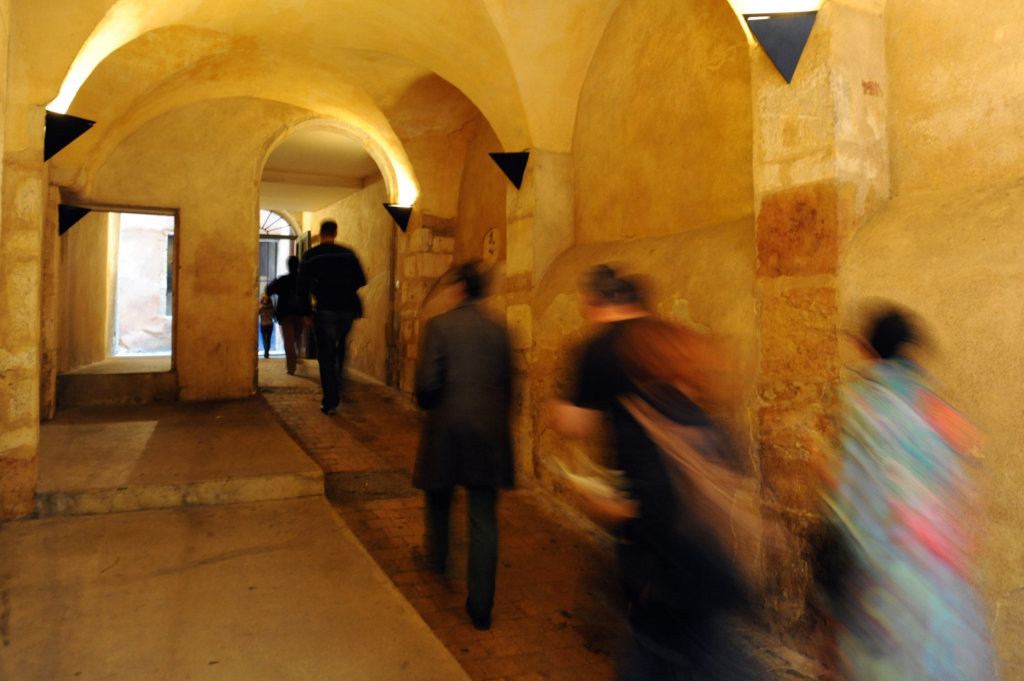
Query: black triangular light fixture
(401,214)
(783,37)
(513,165)
(68,216)
(62,130)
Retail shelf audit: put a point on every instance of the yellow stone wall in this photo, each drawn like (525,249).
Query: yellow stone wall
(87,283)
(366,228)
(204,160)
(663,131)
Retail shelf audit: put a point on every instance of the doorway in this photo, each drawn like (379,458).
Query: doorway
(277,244)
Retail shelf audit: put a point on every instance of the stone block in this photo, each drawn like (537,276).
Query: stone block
(18,479)
(409,266)
(433,265)
(798,335)
(443,245)
(793,444)
(520,326)
(797,232)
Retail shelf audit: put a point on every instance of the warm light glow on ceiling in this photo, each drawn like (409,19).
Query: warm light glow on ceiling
(123,23)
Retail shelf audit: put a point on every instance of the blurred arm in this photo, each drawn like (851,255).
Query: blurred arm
(571,421)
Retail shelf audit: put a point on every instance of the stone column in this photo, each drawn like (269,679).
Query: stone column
(539,226)
(50,312)
(821,167)
(21,244)
(425,253)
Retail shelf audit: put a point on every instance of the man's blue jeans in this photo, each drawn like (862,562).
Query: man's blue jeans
(330,328)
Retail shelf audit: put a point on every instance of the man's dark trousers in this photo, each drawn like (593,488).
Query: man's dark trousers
(331,329)
(483,542)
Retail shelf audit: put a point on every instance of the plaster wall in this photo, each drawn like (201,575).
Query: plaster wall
(480,233)
(956,93)
(366,228)
(88,277)
(955,259)
(205,160)
(663,136)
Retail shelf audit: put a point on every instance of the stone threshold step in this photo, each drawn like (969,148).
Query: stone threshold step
(234,490)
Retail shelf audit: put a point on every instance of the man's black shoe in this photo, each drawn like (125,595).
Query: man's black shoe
(480,622)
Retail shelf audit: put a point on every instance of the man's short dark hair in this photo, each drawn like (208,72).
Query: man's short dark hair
(328,228)
(293,263)
(469,276)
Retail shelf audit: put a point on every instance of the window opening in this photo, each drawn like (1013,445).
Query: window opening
(145,285)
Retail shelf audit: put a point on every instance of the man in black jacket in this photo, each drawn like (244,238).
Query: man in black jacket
(332,275)
(464,379)
(289,310)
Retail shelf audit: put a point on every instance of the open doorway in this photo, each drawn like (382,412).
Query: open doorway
(277,244)
(118,305)
(144,297)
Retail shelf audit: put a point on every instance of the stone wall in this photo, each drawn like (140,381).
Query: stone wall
(87,278)
(366,228)
(204,161)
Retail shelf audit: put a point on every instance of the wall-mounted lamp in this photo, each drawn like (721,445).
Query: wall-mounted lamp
(513,165)
(62,130)
(783,37)
(400,214)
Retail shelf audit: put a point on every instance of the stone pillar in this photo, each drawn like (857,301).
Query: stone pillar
(540,225)
(21,244)
(50,312)
(821,167)
(425,253)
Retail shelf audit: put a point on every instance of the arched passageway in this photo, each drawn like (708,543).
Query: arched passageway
(660,136)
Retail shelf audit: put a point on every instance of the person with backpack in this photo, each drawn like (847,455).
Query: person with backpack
(683,585)
(289,311)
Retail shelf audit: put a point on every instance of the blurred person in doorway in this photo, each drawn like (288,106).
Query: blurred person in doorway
(289,311)
(681,510)
(464,381)
(330,277)
(266,315)
(904,512)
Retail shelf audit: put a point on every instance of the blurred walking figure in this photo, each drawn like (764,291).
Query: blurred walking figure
(333,275)
(681,509)
(289,311)
(903,508)
(464,380)
(266,315)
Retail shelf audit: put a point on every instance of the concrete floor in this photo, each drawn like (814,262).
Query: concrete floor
(144,364)
(122,458)
(276,590)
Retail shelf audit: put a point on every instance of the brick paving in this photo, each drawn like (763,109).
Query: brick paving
(555,616)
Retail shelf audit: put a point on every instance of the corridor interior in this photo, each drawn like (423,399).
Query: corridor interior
(172,505)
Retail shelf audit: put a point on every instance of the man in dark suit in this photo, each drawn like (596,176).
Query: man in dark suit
(464,379)
(332,275)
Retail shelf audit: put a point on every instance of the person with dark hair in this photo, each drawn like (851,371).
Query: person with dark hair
(266,314)
(330,275)
(289,311)
(903,509)
(464,381)
(677,518)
